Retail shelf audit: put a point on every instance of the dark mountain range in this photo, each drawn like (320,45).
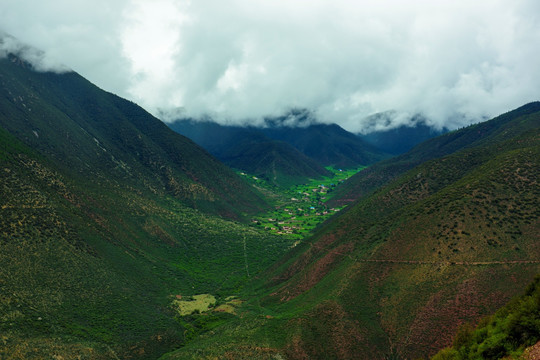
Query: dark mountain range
(248,149)
(329,144)
(444,242)
(401,139)
(106,216)
(296,150)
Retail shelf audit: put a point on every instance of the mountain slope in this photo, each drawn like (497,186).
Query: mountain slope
(102,223)
(512,330)
(445,243)
(499,129)
(93,133)
(248,149)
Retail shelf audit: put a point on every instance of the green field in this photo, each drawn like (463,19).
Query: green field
(299,208)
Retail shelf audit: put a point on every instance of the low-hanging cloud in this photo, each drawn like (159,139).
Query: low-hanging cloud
(454,62)
(84,35)
(38,59)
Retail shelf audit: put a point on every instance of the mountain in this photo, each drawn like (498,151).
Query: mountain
(328,144)
(401,139)
(91,133)
(248,149)
(499,129)
(285,150)
(277,162)
(450,236)
(107,217)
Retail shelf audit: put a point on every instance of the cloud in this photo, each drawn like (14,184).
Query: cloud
(157,25)
(455,62)
(40,60)
(81,34)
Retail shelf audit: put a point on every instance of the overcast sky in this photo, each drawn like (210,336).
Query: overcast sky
(454,61)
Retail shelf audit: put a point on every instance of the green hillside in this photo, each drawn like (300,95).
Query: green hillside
(106,218)
(445,243)
(510,332)
(94,134)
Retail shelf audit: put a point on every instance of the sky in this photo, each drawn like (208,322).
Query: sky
(237,61)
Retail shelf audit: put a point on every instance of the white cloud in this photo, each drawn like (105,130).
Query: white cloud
(157,25)
(454,61)
(82,34)
(40,60)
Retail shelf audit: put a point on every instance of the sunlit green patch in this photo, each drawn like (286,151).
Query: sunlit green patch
(194,304)
(232,303)
(302,207)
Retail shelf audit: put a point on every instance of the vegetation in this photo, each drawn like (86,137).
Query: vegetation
(506,333)
(302,207)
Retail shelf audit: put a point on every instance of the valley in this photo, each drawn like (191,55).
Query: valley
(440,244)
(121,238)
(301,208)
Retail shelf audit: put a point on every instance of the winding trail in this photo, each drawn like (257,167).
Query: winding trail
(466,263)
(425,262)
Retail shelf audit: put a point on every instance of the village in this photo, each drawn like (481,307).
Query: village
(301,208)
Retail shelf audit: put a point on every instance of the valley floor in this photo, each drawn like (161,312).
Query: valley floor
(301,208)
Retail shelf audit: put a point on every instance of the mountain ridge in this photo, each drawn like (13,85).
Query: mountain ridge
(401,139)
(141,140)
(369,179)
(329,144)
(249,150)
